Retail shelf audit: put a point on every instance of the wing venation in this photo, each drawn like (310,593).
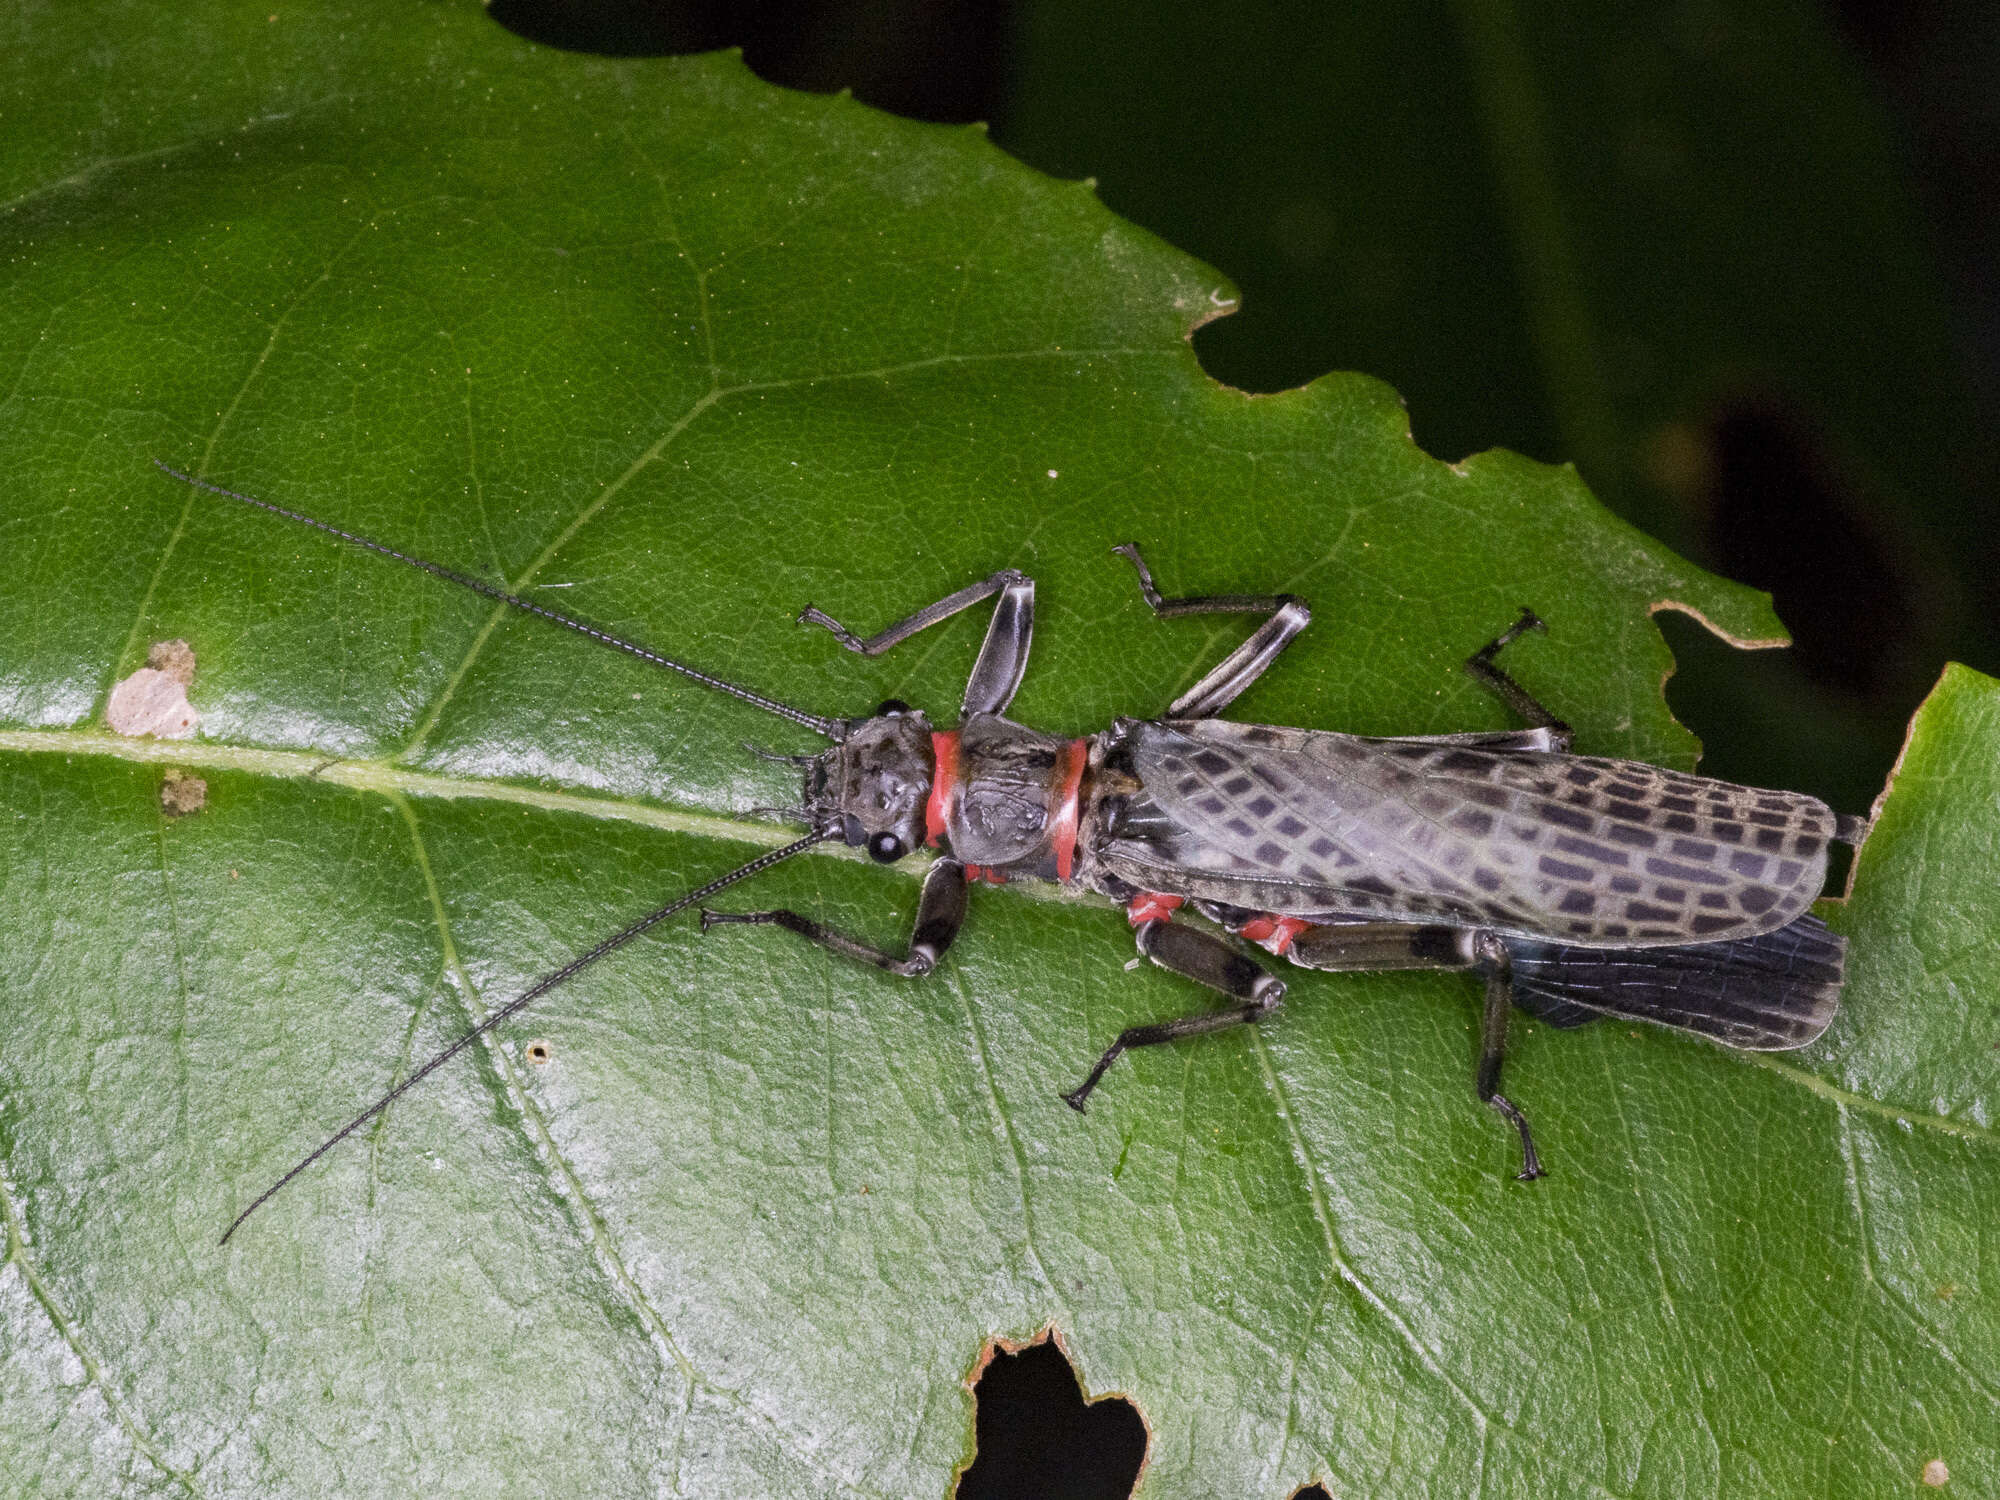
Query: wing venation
(1593,852)
(1768,993)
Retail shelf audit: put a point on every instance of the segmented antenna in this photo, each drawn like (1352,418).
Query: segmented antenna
(535,991)
(831,728)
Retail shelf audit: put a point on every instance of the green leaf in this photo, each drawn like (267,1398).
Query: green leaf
(1921,920)
(673,350)
(1604,233)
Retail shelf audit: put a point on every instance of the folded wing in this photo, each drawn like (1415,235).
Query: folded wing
(1588,851)
(1764,993)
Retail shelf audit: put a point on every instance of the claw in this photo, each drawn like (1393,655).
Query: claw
(812,614)
(1529,621)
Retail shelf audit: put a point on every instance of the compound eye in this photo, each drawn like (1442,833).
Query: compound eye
(886,848)
(892,708)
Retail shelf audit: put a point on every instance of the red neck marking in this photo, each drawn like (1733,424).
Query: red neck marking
(1074,759)
(944,786)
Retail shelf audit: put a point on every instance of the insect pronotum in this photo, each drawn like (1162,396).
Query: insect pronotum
(1574,886)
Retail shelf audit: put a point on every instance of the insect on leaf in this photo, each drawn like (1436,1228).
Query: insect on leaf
(673,350)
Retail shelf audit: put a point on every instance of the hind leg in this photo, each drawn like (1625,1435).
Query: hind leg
(1481,665)
(1494,965)
(1350,947)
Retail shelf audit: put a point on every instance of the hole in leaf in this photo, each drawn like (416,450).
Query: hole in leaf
(927,59)
(1313,1492)
(1776,505)
(539,1052)
(1037,1436)
(1781,516)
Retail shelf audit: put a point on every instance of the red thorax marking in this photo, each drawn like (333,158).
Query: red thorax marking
(1062,828)
(1273,933)
(1149,906)
(944,786)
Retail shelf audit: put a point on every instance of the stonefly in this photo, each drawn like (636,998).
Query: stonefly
(1574,885)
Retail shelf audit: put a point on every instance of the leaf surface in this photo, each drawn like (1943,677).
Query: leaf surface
(661,346)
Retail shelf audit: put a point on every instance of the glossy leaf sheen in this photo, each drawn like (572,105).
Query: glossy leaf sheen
(669,348)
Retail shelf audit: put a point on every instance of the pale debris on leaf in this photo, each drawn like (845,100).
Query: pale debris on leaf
(1936,1475)
(181,793)
(153,700)
(175,658)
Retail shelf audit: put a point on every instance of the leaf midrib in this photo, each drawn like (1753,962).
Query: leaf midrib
(390,780)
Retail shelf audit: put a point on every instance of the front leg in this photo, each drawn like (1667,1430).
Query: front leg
(1003,658)
(940,913)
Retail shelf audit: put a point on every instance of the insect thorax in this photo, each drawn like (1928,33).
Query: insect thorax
(1005,807)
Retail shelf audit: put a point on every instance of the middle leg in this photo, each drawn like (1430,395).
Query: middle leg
(1288,615)
(1205,959)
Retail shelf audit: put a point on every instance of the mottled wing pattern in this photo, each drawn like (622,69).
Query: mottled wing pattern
(1601,853)
(1763,994)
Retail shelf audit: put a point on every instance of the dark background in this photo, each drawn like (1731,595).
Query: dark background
(1735,259)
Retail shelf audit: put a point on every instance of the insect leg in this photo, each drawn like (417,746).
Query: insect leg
(940,913)
(1003,659)
(1507,741)
(1493,962)
(1288,613)
(1482,666)
(1206,960)
(1370,947)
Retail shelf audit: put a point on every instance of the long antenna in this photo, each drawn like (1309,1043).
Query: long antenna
(831,728)
(534,992)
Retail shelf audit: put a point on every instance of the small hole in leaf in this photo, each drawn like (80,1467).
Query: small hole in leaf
(1037,1436)
(539,1053)
(1313,1492)
(153,700)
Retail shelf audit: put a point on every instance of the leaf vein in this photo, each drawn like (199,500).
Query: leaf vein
(66,1329)
(602,1242)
